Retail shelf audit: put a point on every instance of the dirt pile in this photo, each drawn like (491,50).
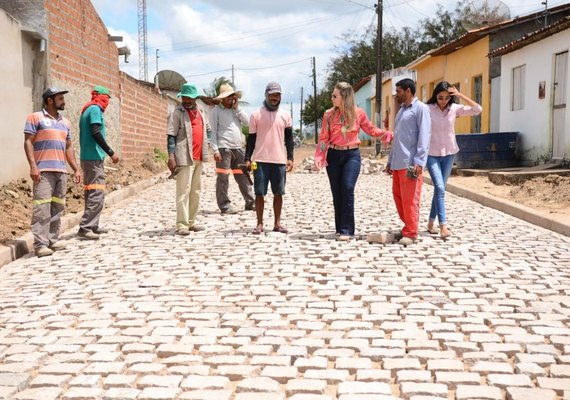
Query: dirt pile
(16,197)
(552,191)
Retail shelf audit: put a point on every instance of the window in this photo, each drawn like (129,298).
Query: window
(517,88)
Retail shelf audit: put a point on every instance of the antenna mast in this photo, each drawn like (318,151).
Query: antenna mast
(143,56)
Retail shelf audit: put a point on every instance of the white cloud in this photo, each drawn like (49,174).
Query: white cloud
(201,37)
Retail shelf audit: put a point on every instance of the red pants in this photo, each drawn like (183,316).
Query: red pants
(406,194)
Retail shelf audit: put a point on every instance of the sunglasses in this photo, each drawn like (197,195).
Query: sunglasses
(443,98)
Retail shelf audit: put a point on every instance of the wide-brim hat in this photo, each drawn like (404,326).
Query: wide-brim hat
(227,90)
(188,90)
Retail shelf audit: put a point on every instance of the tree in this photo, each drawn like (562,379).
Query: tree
(324,102)
(444,28)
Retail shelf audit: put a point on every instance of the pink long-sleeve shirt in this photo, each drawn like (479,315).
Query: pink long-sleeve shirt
(331,131)
(443,141)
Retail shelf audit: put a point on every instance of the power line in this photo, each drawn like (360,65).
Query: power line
(274,66)
(257,33)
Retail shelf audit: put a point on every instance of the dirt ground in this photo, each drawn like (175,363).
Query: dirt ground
(16,197)
(549,195)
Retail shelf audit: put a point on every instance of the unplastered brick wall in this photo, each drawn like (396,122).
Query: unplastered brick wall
(143,118)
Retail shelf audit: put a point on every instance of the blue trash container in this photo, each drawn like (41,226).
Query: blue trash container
(487,150)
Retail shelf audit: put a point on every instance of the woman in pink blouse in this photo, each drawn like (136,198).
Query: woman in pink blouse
(338,150)
(443,146)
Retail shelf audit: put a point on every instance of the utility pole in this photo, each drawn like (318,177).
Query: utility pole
(378,116)
(157,50)
(545,3)
(142,36)
(301,116)
(233,84)
(315,98)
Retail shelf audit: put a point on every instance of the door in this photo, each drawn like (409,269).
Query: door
(559,104)
(477,96)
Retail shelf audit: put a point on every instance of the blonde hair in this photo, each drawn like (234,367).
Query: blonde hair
(348,108)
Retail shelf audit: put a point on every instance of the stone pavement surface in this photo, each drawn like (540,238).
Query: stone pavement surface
(226,315)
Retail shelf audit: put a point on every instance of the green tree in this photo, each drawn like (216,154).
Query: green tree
(324,102)
(444,28)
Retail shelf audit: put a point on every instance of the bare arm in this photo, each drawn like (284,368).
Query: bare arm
(70,156)
(29,149)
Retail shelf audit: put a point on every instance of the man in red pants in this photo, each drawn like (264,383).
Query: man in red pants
(408,157)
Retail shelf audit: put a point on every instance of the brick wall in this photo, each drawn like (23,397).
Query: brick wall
(143,118)
(80,56)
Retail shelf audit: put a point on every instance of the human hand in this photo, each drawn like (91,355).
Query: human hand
(35,174)
(289,166)
(248,165)
(115,158)
(388,137)
(388,169)
(453,91)
(77,176)
(217,156)
(418,170)
(171,163)
(318,164)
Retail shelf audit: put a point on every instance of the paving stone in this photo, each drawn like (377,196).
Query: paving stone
(486,367)
(159,380)
(159,393)
(409,389)
(206,395)
(332,376)
(363,388)
(305,386)
(82,393)
(531,369)
(413,376)
(44,380)
(256,385)
(17,380)
(44,393)
(453,379)
(373,375)
(478,392)
(557,384)
(259,396)
(503,380)
(119,381)
(516,393)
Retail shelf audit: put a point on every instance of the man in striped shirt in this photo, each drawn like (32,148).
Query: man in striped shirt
(48,147)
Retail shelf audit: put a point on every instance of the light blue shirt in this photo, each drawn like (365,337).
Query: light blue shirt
(412,132)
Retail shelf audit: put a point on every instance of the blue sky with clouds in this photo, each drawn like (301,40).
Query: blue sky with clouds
(263,40)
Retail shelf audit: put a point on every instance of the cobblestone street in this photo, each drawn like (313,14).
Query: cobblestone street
(226,315)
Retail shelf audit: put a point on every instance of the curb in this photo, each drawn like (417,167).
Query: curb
(23,245)
(508,207)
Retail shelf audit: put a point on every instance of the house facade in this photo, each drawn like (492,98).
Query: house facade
(535,99)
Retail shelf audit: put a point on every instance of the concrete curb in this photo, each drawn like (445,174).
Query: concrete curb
(25,244)
(508,207)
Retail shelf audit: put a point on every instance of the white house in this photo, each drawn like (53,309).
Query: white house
(534,92)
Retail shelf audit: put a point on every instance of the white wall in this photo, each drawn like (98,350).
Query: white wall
(16,84)
(534,122)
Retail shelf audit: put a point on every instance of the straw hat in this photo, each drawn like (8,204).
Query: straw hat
(227,90)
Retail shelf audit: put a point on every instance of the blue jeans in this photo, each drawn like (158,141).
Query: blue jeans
(439,170)
(343,169)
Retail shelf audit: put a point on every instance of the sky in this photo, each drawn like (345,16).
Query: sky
(262,40)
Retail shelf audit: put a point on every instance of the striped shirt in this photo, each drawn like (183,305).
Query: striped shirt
(50,140)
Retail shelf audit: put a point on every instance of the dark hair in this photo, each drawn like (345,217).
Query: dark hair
(407,83)
(442,86)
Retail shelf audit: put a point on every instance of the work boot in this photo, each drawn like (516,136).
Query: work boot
(57,246)
(182,232)
(44,252)
(87,235)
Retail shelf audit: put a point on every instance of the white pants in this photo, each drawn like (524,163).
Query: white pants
(188,185)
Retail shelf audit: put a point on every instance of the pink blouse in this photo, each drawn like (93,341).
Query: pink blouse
(443,141)
(332,132)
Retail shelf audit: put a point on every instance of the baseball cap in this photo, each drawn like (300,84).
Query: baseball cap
(52,91)
(273,87)
(102,90)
